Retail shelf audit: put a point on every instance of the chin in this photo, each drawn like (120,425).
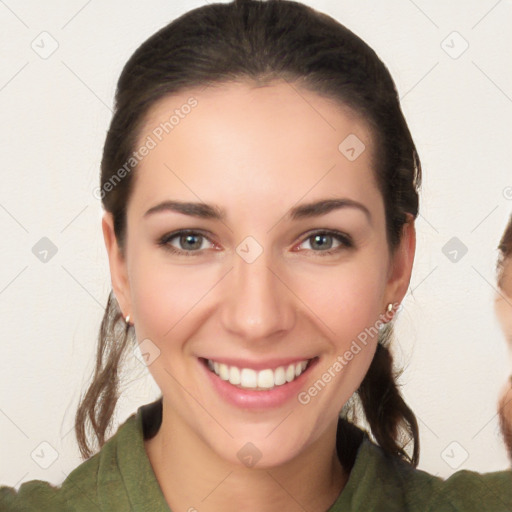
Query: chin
(258,449)
(263,455)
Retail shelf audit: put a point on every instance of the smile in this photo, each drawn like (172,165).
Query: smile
(265,379)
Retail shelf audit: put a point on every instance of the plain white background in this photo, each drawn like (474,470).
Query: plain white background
(55,113)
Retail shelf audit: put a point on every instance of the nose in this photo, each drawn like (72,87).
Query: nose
(257,304)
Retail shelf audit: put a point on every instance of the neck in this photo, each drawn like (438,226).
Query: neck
(194,478)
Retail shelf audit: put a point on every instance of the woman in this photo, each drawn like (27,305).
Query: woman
(260,187)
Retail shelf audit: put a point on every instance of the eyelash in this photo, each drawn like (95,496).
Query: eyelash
(345,242)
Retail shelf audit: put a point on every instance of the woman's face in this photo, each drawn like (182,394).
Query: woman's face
(503,309)
(503,301)
(253,291)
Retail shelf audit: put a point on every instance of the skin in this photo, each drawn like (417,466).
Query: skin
(503,309)
(503,302)
(256,152)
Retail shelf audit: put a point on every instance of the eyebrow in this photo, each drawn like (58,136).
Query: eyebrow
(303,211)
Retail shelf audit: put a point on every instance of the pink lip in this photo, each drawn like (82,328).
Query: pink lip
(254,400)
(258,365)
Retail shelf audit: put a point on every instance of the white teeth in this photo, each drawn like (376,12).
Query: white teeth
(279,376)
(251,379)
(248,378)
(266,379)
(234,375)
(223,372)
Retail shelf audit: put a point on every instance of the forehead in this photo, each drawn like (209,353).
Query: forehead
(280,107)
(277,138)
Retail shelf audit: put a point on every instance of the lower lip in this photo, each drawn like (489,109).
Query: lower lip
(250,399)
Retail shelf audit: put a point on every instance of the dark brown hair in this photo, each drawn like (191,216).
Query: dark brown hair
(258,42)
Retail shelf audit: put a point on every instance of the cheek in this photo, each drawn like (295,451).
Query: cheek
(349,301)
(346,298)
(163,294)
(347,315)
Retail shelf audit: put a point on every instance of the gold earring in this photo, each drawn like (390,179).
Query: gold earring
(127,319)
(389,308)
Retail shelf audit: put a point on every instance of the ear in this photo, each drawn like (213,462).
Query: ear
(400,270)
(117,263)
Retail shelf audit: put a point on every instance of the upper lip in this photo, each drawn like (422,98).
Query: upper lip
(258,365)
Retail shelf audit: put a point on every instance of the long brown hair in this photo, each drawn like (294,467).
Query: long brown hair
(259,42)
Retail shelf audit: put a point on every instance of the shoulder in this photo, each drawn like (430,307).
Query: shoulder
(33,495)
(77,489)
(469,490)
(83,489)
(381,480)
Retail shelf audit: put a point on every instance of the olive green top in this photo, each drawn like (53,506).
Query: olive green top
(120,478)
